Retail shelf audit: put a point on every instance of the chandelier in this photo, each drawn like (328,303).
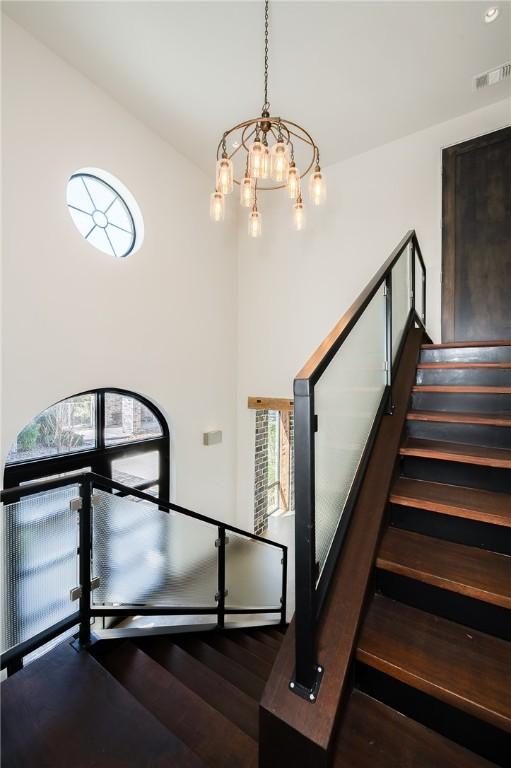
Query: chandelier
(266,154)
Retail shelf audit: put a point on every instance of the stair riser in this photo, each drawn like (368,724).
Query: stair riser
(501,354)
(464,377)
(461,402)
(456,529)
(456,473)
(481,616)
(474,434)
(470,732)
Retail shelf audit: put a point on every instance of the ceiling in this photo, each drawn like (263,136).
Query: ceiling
(355,74)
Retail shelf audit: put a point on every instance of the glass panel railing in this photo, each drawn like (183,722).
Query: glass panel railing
(253,573)
(346,400)
(146,556)
(341,395)
(140,557)
(419,287)
(401,298)
(39,563)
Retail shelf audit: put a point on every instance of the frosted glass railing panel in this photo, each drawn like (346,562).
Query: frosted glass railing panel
(419,303)
(39,563)
(145,556)
(253,573)
(401,298)
(346,400)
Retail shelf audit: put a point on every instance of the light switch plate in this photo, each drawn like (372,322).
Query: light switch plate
(212,438)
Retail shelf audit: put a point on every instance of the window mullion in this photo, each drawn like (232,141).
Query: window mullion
(100,420)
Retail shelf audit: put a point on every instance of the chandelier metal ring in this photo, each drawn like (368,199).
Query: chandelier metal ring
(284,123)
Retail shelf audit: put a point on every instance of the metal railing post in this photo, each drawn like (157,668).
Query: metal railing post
(412,274)
(284,589)
(220,595)
(424,297)
(14,666)
(307,673)
(85,525)
(388,341)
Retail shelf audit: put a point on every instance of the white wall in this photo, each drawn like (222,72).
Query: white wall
(161,322)
(293,287)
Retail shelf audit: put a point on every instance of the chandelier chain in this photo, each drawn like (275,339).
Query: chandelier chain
(266,105)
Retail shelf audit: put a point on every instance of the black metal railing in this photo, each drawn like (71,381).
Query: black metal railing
(87,482)
(312,577)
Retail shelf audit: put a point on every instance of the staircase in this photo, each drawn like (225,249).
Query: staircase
(398,656)
(433,657)
(185,700)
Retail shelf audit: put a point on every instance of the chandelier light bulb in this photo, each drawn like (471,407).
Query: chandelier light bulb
(224,175)
(266,160)
(317,187)
(279,161)
(247,188)
(258,160)
(293,181)
(299,214)
(217,206)
(254,222)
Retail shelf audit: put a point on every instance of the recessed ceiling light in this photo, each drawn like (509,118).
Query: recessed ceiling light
(235,144)
(491,14)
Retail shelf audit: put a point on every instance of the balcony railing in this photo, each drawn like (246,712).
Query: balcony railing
(81,547)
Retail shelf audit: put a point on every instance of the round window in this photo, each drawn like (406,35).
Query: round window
(104,212)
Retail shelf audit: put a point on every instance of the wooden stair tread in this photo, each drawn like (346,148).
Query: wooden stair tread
(373,735)
(255,646)
(498,419)
(447,365)
(231,670)
(458,344)
(237,706)
(458,665)
(216,740)
(469,571)
(455,500)
(264,637)
(66,710)
(461,390)
(247,659)
(460,452)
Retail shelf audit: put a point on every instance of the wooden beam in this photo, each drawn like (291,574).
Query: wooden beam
(270,404)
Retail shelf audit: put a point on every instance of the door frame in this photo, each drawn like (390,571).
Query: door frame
(449,157)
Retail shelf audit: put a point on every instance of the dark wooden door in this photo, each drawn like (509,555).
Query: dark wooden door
(476,242)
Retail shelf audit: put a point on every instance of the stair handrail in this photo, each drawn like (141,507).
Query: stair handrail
(88,481)
(311,592)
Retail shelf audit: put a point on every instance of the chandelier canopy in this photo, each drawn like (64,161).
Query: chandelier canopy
(266,153)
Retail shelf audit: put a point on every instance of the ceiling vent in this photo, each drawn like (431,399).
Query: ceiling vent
(493,76)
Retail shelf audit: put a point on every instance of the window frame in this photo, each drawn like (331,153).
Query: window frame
(101,457)
(276,450)
(134,233)
(283,463)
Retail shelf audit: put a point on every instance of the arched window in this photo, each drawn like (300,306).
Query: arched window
(112,432)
